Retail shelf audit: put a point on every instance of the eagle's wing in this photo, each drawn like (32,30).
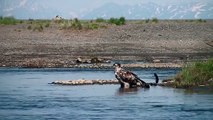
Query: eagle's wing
(127,76)
(143,84)
(133,79)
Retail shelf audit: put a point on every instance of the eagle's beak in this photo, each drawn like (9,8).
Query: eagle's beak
(114,65)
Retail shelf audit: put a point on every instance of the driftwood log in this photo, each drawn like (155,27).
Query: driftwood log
(85,82)
(90,82)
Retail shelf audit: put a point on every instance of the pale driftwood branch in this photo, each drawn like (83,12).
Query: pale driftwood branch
(92,82)
(85,82)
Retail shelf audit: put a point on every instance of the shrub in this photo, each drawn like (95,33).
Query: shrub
(103,26)
(112,20)
(76,24)
(71,24)
(80,24)
(29,27)
(100,20)
(92,26)
(200,20)
(63,25)
(147,20)
(196,20)
(21,21)
(116,21)
(47,25)
(38,27)
(154,20)
(8,20)
(122,20)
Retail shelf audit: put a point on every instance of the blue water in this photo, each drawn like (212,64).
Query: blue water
(26,95)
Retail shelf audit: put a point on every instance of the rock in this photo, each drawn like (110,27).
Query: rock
(156,61)
(210,80)
(168,81)
(79,60)
(96,60)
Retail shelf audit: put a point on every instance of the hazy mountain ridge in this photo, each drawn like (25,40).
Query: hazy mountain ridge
(150,10)
(40,9)
(28,9)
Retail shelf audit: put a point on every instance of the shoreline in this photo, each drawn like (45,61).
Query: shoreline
(107,66)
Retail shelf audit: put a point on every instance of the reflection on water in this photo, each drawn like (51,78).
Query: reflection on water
(25,94)
(122,91)
(200,90)
(126,91)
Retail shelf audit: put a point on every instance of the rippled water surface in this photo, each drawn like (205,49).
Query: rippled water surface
(26,95)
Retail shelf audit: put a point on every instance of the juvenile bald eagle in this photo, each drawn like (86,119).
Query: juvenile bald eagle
(128,79)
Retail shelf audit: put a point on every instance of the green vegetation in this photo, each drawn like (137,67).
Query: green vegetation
(76,24)
(47,25)
(147,20)
(154,20)
(116,21)
(200,21)
(90,25)
(38,27)
(21,21)
(29,27)
(71,24)
(196,21)
(100,20)
(195,74)
(8,20)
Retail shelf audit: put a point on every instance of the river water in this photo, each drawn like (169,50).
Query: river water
(26,95)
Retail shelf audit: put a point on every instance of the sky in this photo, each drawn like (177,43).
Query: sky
(80,4)
(76,7)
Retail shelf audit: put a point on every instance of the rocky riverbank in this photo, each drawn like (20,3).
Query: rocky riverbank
(166,43)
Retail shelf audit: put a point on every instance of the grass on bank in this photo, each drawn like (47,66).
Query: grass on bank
(195,74)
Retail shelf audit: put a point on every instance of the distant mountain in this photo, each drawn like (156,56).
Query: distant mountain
(27,9)
(41,9)
(150,10)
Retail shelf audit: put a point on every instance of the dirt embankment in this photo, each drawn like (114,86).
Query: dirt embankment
(165,41)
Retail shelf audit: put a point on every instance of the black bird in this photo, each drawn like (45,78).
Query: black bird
(128,79)
(156,78)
